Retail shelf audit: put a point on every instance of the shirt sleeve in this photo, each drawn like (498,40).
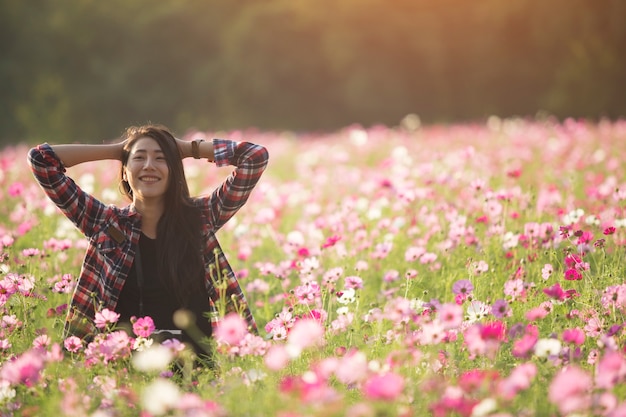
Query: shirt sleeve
(82,209)
(250,161)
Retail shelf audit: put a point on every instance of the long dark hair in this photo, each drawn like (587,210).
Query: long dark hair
(179,242)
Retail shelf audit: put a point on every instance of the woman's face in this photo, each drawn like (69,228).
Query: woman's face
(147,171)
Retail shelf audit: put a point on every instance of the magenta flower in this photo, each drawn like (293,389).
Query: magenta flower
(609,230)
(572,274)
(105,318)
(523,347)
(231,330)
(536,313)
(572,260)
(16,189)
(495,330)
(555,292)
(331,241)
(25,369)
(575,336)
(570,390)
(387,387)
(585,238)
(144,326)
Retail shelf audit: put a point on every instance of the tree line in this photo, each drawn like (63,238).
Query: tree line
(85,69)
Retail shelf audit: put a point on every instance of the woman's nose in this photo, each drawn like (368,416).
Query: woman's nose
(149,162)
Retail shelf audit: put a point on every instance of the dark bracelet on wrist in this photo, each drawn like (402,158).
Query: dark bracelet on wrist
(195,148)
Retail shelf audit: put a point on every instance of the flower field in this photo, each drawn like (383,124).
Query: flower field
(463,270)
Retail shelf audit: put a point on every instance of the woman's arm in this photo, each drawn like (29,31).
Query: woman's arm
(205,149)
(250,161)
(74,154)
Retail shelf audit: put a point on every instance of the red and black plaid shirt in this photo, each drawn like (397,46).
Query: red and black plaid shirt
(113,234)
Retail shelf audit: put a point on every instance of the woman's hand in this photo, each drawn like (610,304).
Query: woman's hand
(184,148)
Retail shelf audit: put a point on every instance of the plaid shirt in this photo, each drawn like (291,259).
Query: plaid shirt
(114,232)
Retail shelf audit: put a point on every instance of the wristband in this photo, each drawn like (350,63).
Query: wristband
(195,148)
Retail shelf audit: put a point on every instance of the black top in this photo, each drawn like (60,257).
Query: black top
(158,301)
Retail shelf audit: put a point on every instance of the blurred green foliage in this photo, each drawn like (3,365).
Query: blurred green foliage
(86,69)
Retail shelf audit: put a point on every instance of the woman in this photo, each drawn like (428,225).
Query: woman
(159,254)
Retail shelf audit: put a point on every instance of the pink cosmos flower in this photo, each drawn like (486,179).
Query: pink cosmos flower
(352,367)
(523,347)
(476,345)
(594,326)
(144,326)
(514,288)
(519,380)
(73,344)
(546,271)
(476,379)
(308,292)
(25,369)
(106,317)
(331,241)
(450,315)
(277,357)
(387,387)
(575,336)
(108,347)
(354,282)
(536,313)
(306,333)
(432,333)
(570,390)
(413,253)
(252,344)
(611,370)
(231,329)
(42,341)
(16,189)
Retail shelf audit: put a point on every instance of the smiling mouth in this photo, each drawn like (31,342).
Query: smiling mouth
(149,179)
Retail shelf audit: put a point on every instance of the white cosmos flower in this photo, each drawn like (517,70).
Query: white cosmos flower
(155,358)
(343,310)
(484,408)
(547,347)
(160,396)
(348,296)
(142,343)
(6,392)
